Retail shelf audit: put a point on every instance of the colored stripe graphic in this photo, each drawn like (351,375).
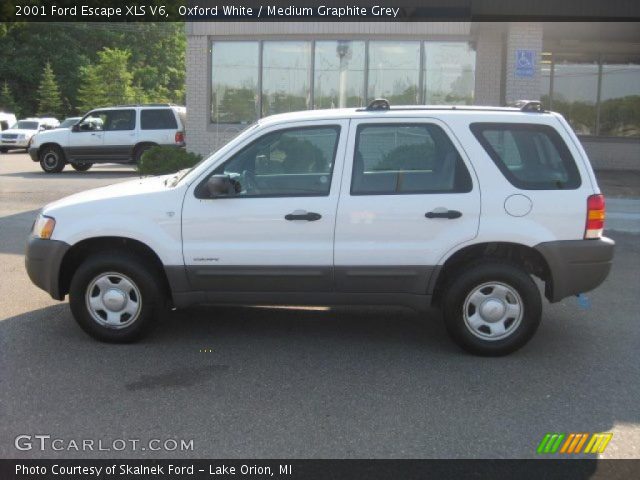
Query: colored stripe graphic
(573,443)
(550,443)
(598,442)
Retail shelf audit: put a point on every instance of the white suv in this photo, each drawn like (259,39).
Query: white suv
(23,133)
(110,135)
(457,207)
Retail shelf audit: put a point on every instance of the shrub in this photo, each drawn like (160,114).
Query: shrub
(163,160)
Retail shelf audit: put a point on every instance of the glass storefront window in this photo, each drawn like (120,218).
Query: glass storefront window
(620,100)
(339,74)
(449,73)
(234,82)
(286,68)
(575,94)
(394,72)
(337,69)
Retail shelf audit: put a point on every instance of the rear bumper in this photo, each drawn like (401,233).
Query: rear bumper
(33,153)
(576,266)
(43,259)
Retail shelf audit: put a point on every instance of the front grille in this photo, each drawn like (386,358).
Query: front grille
(9,136)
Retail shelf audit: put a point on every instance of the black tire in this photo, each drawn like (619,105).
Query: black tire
(496,278)
(139,151)
(81,166)
(149,296)
(52,159)
(4,150)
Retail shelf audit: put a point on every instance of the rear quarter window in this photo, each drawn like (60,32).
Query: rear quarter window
(530,156)
(158,119)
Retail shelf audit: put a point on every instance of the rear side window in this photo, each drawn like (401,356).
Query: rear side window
(531,157)
(158,119)
(406,159)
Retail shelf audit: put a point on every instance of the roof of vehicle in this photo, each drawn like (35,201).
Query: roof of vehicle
(409,111)
(142,105)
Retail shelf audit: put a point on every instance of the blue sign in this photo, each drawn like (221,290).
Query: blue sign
(525,63)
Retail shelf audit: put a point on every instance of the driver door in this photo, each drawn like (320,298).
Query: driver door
(276,233)
(86,142)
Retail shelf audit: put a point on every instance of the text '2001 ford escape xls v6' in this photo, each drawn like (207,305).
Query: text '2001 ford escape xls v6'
(457,207)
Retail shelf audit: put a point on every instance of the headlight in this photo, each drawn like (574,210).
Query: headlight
(22,137)
(43,227)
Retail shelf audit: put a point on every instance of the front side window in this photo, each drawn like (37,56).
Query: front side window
(293,162)
(406,159)
(531,157)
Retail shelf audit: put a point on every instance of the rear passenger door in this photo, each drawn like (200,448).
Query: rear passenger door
(119,135)
(408,196)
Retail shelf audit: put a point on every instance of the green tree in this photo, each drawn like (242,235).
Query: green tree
(113,70)
(49,101)
(7,102)
(91,93)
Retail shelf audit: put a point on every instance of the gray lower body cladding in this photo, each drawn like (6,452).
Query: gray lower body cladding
(43,259)
(576,266)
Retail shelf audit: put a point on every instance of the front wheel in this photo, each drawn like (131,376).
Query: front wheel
(114,297)
(52,159)
(81,166)
(492,308)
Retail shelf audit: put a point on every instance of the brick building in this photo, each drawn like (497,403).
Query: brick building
(238,72)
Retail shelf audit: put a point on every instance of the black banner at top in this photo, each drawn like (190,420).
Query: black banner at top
(316,10)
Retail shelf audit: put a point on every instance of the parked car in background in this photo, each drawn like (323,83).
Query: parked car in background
(118,134)
(454,207)
(69,122)
(20,135)
(7,120)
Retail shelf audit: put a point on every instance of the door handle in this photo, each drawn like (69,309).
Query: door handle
(449,214)
(302,215)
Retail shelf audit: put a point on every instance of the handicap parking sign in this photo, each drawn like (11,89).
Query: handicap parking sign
(525,63)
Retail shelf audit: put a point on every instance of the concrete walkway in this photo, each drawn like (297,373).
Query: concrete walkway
(623,215)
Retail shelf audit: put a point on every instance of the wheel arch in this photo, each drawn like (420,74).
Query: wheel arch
(526,257)
(78,252)
(52,144)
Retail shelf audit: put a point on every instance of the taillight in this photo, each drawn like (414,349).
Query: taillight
(180,138)
(595,216)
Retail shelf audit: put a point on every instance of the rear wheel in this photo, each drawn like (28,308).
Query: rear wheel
(81,166)
(492,308)
(115,298)
(139,151)
(52,159)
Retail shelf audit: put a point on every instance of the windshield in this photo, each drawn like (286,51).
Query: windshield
(69,122)
(25,125)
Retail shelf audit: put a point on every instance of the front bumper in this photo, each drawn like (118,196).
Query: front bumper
(14,143)
(43,259)
(33,153)
(576,266)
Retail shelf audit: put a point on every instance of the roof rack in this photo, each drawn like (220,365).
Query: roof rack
(145,105)
(379,104)
(382,104)
(528,105)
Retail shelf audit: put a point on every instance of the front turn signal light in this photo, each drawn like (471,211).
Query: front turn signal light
(43,227)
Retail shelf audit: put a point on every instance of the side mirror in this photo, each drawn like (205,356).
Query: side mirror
(221,186)
(75,128)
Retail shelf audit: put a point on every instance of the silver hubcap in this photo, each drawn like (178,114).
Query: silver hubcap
(493,311)
(51,159)
(113,300)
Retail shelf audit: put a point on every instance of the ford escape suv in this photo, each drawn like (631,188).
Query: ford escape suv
(454,207)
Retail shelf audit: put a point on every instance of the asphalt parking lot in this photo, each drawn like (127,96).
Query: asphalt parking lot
(304,383)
